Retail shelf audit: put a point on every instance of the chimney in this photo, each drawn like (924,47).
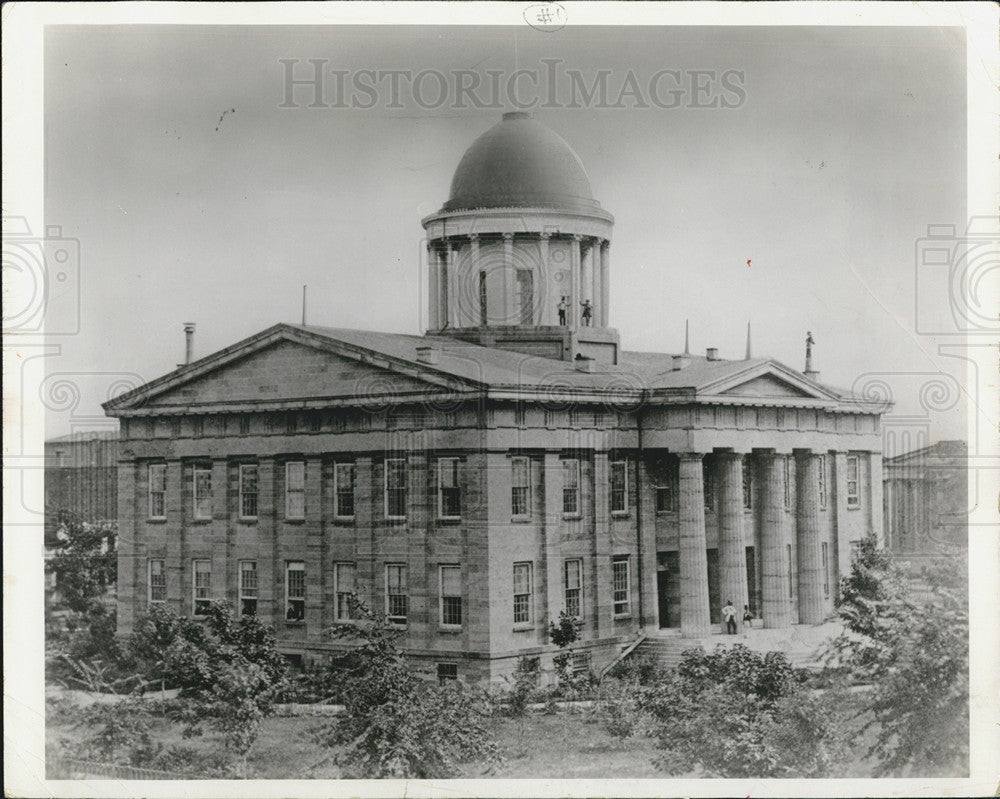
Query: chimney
(680,362)
(188,342)
(428,354)
(712,354)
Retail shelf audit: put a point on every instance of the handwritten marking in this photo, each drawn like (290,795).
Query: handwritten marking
(545,17)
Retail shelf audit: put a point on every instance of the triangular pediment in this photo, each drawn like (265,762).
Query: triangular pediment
(287,365)
(766,386)
(767,380)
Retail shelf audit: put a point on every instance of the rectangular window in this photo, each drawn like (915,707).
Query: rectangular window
(747,485)
(157,581)
(708,483)
(396,597)
(791,571)
(343,586)
(202,492)
(343,490)
(202,586)
(826,569)
(571,487)
(248,491)
(449,489)
(853,493)
(248,588)
(157,490)
(451,596)
(524,296)
(620,584)
(619,486)
(573,584)
(522,593)
(447,672)
(295,490)
(822,481)
(395,488)
(244,424)
(787,477)
(295,590)
(519,415)
(520,487)
(666,487)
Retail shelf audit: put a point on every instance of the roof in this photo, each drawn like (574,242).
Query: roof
(461,367)
(520,163)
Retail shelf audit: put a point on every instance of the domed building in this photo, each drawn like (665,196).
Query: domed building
(510,464)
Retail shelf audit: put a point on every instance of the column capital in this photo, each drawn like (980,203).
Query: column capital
(544,235)
(578,237)
(474,237)
(729,455)
(690,456)
(508,236)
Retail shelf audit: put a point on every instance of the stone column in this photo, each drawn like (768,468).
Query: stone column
(646,503)
(508,312)
(595,280)
(605,270)
(451,270)
(552,530)
(810,559)
(433,289)
(472,281)
(695,617)
(776,606)
(546,285)
(598,510)
(573,313)
(732,551)
(870,480)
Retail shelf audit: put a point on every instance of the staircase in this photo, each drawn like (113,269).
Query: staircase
(664,649)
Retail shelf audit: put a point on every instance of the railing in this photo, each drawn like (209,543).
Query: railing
(71,768)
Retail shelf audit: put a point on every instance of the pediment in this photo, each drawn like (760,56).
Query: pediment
(766,386)
(284,365)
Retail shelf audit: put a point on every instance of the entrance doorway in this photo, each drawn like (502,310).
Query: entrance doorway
(668,588)
(714,587)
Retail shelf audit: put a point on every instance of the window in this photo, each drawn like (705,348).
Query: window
(199,426)
(157,490)
(748,484)
(581,662)
(822,481)
(483,307)
(449,490)
(853,494)
(666,487)
(202,586)
(343,586)
(295,490)
(395,592)
(248,588)
(157,581)
(244,424)
(447,672)
(202,492)
(855,548)
(395,488)
(248,491)
(708,481)
(295,590)
(343,490)
(523,299)
(519,415)
(620,584)
(619,486)
(573,586)
(571,487)
(786,475)
(522,593)
(451,596)
(520,487)
(826,569)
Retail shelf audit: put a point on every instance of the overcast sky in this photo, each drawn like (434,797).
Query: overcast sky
(196,197)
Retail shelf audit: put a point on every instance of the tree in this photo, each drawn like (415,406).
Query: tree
(229,672)
(735,713)
(396,724)
(914,652)
(564,634)
(85,564)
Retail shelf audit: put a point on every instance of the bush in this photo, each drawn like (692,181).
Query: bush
(622,708)
(733,713)
(396,725)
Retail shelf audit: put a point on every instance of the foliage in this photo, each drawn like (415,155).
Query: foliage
(395,724)
(915,654)
(623,707)
(524,685)
(229,671)
(120,732)
(564,634)
(85,564)
(729,713)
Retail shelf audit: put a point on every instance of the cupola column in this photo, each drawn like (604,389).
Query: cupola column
(546,285)
(605,269)
(507,310)
(451,271)
(473,276)
(574,282)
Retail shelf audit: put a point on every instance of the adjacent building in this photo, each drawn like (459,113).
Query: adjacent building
(511,463)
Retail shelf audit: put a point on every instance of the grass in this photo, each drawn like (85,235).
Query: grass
(561,746)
